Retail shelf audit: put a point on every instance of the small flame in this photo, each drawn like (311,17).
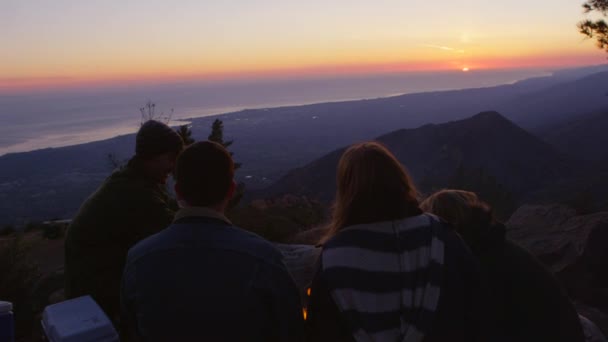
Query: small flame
(304,313)
(308,292)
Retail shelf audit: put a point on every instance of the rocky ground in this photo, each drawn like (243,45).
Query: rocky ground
(574,247)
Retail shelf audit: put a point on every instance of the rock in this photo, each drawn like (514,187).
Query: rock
(599,318)
(592,332)
(573,247)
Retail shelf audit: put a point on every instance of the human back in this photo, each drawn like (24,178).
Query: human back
(130,205)
(388,272)
(523,300)
(208,280)
(203,278)
(105,228)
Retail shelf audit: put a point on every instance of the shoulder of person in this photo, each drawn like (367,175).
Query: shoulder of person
(257,246)
(127,177)
(521,258)
(142,191)
(152,243)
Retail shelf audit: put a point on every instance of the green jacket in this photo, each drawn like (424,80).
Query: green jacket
(126,208)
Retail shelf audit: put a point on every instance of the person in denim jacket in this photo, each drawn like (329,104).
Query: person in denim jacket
(202,278)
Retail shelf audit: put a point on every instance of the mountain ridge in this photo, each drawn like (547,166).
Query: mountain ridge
(433,153)
(268,142)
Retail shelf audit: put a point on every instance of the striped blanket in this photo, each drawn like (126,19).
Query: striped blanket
(386,277)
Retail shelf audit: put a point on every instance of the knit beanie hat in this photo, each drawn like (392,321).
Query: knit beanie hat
(155,138)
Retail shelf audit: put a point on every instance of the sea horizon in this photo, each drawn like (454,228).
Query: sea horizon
(39,120)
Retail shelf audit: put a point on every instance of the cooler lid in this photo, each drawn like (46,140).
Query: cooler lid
(79,319)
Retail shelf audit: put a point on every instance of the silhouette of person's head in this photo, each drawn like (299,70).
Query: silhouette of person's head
(157,147)
(204,176)
(463,209)
(372,186)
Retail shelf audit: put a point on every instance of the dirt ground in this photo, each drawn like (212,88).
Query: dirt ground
(48,254)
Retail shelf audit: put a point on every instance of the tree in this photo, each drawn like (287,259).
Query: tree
(598,28)
(185,132)
(217,135)
(148,112)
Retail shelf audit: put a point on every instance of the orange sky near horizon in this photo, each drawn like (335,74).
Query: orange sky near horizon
(69,43)
(176,74)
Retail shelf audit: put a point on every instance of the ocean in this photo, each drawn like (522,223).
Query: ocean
(55,118)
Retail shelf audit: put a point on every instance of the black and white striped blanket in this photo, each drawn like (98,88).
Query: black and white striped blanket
(386,277)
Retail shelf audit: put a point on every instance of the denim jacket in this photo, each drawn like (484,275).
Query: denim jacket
(204,279)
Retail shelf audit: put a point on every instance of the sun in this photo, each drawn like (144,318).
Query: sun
(465,69)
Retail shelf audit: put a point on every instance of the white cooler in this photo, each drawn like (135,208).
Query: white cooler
(79,320)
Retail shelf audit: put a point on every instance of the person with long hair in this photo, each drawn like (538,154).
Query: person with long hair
(389,272)
(524,301)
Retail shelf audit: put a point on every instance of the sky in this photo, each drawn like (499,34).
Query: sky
(46,43)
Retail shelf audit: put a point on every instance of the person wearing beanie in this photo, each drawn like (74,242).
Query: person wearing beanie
(156,148)
(129,206)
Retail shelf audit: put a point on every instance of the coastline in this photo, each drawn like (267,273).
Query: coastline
(119,122)
(37,121)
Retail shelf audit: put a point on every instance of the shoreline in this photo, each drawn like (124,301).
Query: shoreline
(193,113)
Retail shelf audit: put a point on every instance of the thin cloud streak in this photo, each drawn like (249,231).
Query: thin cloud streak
(444,48)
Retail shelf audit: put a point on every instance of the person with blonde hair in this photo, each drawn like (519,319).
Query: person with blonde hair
(387,271)
(524,301)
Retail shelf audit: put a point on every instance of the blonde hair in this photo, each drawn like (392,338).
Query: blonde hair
(462,209)
(372,186)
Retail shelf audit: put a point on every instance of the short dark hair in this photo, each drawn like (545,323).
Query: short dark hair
(204,173)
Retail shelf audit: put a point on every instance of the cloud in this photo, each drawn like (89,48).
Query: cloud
(444,48)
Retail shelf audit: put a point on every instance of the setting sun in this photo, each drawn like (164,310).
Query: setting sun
(200,47)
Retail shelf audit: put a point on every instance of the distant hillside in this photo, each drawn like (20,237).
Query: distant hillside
(52,183)
(559,103)
(271,141)
(584,137)
(434,154)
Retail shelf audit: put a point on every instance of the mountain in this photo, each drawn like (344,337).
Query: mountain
(584,137)
(269,142)
(287,137)
(558,103)
(435,154)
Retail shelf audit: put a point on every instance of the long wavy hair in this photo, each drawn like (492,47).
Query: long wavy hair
(463,209)
(372,186)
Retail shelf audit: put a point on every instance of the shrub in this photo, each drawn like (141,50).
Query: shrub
(18,274)
(32,226)
(7,230)
(53,231)
(279,219)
